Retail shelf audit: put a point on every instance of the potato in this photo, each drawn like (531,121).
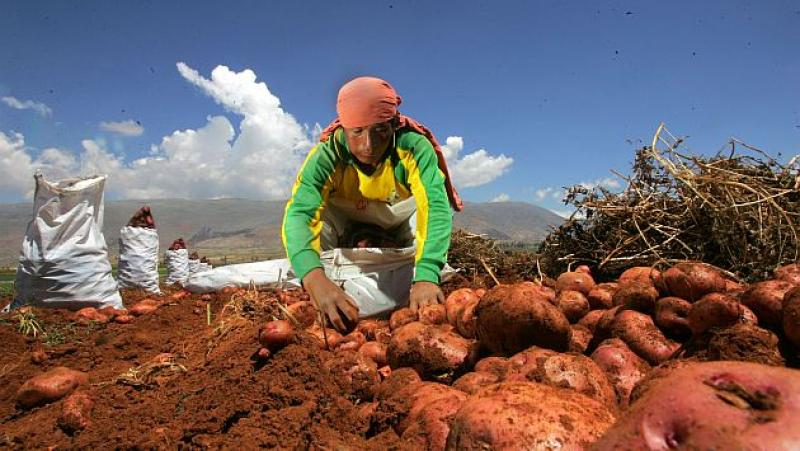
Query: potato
(713,310)
(123,319)
(354,373)
(602,329)
(375,351)
(50,386)
(573,304)
(144,307)
(471,382)
(534,289)
(591,319)
(465,318)
(510,319)
(434,351)
(39,356)
(494,365)
(90,314)
(791,316)
(742,342)
(351,342)
(456,300)
(368,327)
(622,366)
(571,371)
(765,299)
(430,424)
(527,415)
(575,281)
(402,317)
(523,358)
(303,312)
(789,273)
(579,339)
(75,412)
(333,337)
(637,296)
(397,381)
(276,334)
(400,408)
(713,405)
(671,316)
(642,274)
(432,314)
(692,280)
(640,333)
(602,295)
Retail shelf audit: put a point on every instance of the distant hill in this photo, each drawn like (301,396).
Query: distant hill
(249,229)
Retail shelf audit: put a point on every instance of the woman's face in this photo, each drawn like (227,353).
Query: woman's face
(368,144)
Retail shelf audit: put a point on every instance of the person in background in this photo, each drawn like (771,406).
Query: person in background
(377,178)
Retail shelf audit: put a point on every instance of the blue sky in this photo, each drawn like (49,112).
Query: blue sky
(564,89)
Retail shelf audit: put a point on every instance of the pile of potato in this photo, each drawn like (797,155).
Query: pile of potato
(629,364)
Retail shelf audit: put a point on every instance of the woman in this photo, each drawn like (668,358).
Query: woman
(375,175)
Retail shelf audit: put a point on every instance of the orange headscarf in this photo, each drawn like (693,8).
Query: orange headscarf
(368,100)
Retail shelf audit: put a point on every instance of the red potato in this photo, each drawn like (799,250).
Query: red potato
(713,405)
(527,415)
(604,325)
(434,351)
(640,333)
(397,381)
(385,371)
(432,314)
(765,299)
(713,310)
(494,365)
(584,269)
(123,319)
(466,322)
(75,412)
(568,371)
(430,424)
(622,366)
(523,358)
(303,312)
(789,273)
(50,386)
(471,382)
(275,335)
(637,296)
(180,295)
(642,274)
(791,316)
(142,218)
(573,304)
(375,351)
(177,244)
(144,307)
(333,337)
(576,281)
(402,317)
(354,373)
(534,289)
(740,341)
(671,316)
(591,319)
(480,292)
(351,342)
(579,339)
(602,295)
(692,280)
(415,398)
(510,319)
(39,356)
(368,327)
(456,300)
(111,312)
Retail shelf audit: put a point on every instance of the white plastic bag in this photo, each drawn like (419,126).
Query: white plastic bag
(138,259)
(177,262)
(203,267)
(379,280)
(194,265)
(64,260)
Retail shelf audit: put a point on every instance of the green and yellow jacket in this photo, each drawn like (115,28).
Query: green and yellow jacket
(330,170)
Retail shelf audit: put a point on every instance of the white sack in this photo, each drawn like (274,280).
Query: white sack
(204,267)
(194,265)
(379,280)
(138,259)
(64,260)
(177,262)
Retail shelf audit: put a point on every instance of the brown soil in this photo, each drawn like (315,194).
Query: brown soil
(215,396)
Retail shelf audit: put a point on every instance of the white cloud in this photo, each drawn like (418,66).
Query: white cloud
(608,182)
(541,193)
(17,166)
(567,213)
(38,107)
(559,193)
(502,197)
(125,128)
(475,169)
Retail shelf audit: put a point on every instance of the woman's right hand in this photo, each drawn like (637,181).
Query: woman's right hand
(331,300)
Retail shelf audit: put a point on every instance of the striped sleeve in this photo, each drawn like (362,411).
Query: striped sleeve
(434,219)
(302,221)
